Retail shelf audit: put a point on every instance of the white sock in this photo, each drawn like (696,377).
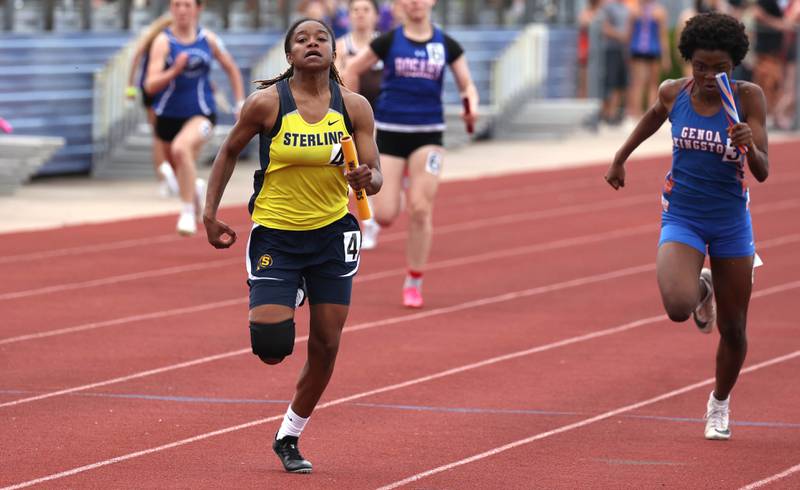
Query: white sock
(292,424)
(413,282)
(187,208)
(169,177)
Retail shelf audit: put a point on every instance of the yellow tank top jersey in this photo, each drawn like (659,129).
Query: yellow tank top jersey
(301,184)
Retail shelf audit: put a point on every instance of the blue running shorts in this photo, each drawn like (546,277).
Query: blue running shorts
(328,259)
(723,237)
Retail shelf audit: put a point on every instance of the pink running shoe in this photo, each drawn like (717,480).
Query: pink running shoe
(412,298)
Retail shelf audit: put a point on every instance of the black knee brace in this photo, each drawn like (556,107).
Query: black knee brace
(272,341)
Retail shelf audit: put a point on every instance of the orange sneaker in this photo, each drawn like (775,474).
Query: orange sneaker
(412,298)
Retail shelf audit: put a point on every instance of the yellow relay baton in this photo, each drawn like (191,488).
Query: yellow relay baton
(351,162)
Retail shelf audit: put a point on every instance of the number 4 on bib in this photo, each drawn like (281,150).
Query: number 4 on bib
(352,245)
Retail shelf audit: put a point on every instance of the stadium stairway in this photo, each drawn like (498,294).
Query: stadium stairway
(551,111)
(46,89)
(22,156)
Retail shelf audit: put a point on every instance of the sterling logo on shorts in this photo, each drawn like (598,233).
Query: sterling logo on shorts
(263,262)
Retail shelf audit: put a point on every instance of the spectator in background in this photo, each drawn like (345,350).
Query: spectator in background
(340,17)
(614,16)
(785,107)
(742,10)
(698,7)
(649,52)
(314,9)
(389,16)
(363,19)
(585,19)
(770,27)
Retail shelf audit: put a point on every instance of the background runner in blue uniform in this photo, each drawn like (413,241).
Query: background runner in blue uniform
(409,117)
(705,199)
(180,61)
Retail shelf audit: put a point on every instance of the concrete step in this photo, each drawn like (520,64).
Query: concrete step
(550,118)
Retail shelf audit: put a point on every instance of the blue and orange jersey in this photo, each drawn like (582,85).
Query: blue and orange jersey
(707,175)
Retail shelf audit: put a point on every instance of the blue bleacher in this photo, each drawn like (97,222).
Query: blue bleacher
(482,45)
(46,89)
(46,80)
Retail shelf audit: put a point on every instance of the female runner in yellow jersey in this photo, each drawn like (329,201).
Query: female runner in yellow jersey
(302,230)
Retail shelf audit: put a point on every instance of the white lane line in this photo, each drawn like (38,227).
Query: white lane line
(471,259)
(83,249)
(363,326)
(423,379)
(105,281)
(581,423)
(126,319)
(772,479)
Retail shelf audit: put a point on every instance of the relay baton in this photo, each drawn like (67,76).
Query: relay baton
(467,111)
(728,103)
(351,162)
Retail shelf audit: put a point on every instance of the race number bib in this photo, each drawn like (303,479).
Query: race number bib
(352,245)
(732,153)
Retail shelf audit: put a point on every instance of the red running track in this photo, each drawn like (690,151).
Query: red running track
(541,360)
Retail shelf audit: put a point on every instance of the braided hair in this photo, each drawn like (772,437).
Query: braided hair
(287,47)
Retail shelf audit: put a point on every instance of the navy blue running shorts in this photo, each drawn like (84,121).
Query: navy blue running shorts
(328,259)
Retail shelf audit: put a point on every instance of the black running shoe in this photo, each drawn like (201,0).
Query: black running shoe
(293,461)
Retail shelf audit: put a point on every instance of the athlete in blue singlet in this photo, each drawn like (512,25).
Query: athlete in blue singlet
(649,50)
(705,199)
(178,71)
(410,119)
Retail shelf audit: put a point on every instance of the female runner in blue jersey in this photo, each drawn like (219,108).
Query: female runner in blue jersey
(302,230)
(410,119)
(705,198)
(178,72)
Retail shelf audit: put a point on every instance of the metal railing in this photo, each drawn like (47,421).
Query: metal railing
(114,115)
(49,15)
(520,69)
(272,64)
